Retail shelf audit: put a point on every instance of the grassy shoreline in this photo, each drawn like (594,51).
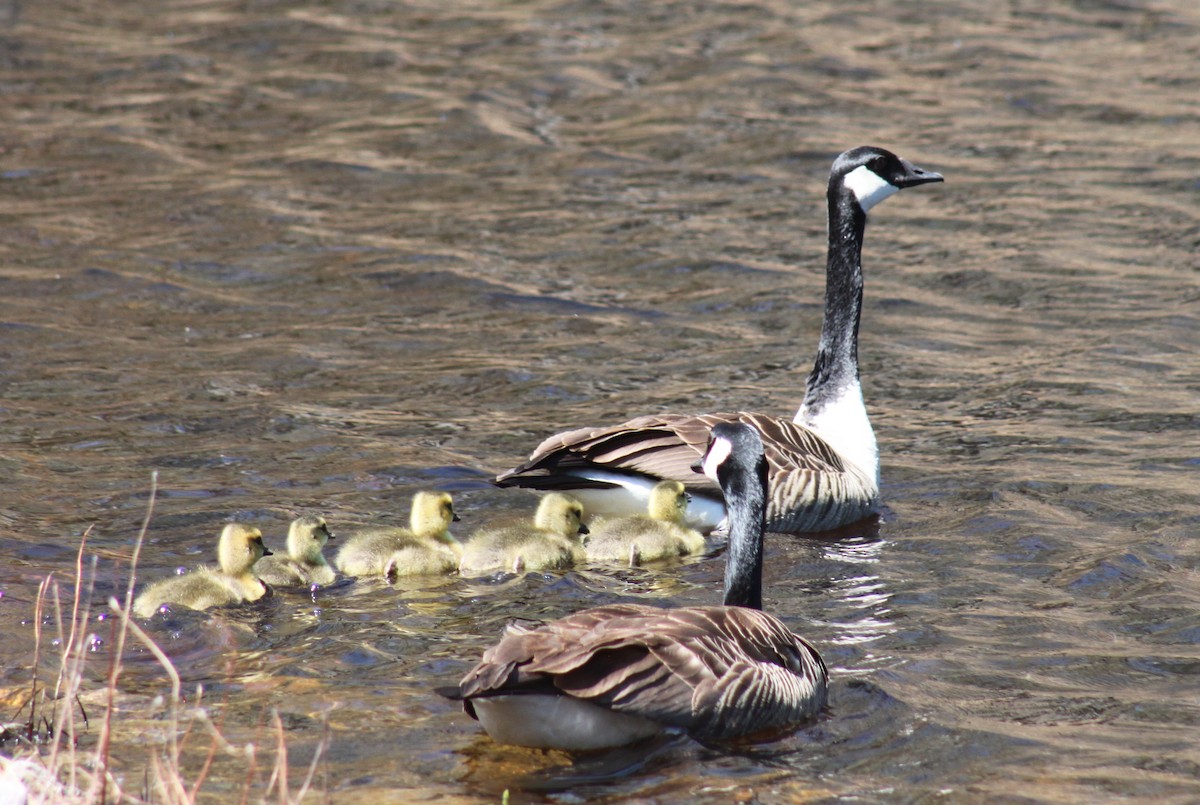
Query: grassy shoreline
(47,754)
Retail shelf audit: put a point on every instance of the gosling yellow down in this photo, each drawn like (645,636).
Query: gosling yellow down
(659,534)
(427,547)
(240,547)
(305,563)
(552,542)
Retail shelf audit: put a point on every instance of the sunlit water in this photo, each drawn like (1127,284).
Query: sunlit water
(312,257)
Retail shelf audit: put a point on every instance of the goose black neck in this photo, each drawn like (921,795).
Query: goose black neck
(837,355)
(746,505)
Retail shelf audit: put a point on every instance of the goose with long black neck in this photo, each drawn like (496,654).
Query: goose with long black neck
(616,674)
(823,463)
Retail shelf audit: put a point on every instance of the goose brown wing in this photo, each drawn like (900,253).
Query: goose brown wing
(666,446)
(674,666)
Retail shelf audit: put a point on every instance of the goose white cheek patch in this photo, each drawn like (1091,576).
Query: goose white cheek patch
(868,186)
(718,451)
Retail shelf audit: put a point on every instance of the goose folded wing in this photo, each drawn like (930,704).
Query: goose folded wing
(668,665)
(667,446)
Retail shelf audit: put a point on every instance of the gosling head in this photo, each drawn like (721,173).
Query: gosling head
(432,514)
(668,502)
(307,537)
(240,547)
(560,514)
(872,174)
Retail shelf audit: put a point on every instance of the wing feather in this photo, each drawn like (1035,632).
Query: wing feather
(811,486)
(715,671)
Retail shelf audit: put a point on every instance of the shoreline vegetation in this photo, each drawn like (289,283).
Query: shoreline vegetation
(42,751)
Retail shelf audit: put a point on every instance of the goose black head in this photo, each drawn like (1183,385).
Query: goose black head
(734,456)
(872,174)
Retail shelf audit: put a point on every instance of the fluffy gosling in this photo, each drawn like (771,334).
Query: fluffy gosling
(552,542)
(427,547)
(240,547)
(305,563)
(659,534)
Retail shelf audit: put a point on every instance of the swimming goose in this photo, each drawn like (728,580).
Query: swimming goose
(824,463)
(305,561)
(616,674)
(240,547)
(659,534)
(552,542)
(427,547)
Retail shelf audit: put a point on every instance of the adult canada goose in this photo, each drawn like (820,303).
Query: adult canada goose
(824,463)
(305,561)
(659,534)
(551,542)
(616,674)
(240,547)
(425,548)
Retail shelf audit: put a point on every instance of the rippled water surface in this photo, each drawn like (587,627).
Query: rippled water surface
(311,257)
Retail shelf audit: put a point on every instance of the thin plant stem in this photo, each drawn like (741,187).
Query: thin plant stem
(37,655)
(119,647)
(322,745)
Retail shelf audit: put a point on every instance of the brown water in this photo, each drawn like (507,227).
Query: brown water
(313,257)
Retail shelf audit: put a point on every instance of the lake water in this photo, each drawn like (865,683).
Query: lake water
(312,257)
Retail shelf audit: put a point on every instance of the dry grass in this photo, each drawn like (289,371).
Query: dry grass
(44,754)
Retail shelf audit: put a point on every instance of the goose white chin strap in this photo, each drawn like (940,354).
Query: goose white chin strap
(718,451)
(868,187)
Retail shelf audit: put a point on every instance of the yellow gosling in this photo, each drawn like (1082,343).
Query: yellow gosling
(240,547)
(427,547)
(305,563)
(552,542)
(660,534)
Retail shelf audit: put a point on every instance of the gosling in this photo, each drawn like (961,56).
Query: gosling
(240,547)
(660,534)
(305,563)
(553,542)
(426,548)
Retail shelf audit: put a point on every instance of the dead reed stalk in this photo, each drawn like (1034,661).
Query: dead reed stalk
(47,759)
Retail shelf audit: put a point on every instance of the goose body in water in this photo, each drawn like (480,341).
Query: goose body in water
(239,549)
(305,561)
(427,547)
(616,674)
(824,463)
(550,542)
(659,534)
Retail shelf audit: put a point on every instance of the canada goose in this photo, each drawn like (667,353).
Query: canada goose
(240,547)
(824,464)
(660,534)
(305,562)
(427,547)
(615,674)
(552,542)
